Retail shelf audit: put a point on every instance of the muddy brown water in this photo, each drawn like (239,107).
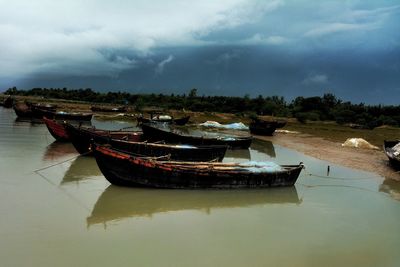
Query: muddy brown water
(69,215)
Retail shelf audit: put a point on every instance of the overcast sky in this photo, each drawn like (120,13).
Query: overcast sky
(228,47)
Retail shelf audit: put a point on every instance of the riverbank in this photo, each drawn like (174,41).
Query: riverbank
(317,147)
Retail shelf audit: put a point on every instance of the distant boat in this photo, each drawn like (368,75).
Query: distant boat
(8,102)
(108,109)
(82,137)
(38,112)
(160,132)
(125,169)
(263,127)
(394,159)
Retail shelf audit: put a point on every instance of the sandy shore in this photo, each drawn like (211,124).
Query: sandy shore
(362,159)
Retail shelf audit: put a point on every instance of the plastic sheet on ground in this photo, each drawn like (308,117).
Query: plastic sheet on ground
(232,126)
(358,143)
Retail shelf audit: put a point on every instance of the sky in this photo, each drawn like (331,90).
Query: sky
(225,47)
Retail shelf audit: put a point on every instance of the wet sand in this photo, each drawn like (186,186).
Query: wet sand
(362,159)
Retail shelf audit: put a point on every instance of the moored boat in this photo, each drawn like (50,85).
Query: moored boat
(22,110)
(161,132)
(61,115)
(124,169)
(392,154)
(81,136)
(56,129)
(8,102)
(263,127)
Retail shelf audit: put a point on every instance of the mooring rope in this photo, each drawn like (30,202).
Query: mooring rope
(61,162)
(338,178)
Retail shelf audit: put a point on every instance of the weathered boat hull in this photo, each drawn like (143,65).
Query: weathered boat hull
(56,129)
(125,170)
(154,133)
(263,127)
(40,113)
(81,138)
(387,147)
(22,110)
(186,153)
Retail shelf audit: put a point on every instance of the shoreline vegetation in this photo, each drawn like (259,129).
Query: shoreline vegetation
(323,123)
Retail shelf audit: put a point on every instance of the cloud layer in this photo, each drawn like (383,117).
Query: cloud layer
(87,40)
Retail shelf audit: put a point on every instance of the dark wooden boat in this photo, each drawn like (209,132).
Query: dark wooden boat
(160,132)
(44,106)
(394,160)
(22,110)
(61,115)
(124,169)
(81,137)
(118,203)
(262,127)
(181,121)
(8,102)
(175,152)
(280,123)
(56,129)
(108,109)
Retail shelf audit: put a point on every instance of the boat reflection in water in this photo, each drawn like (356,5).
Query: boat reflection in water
(391,187)
(59,150)
(264,146)
(117,203)
(82,168)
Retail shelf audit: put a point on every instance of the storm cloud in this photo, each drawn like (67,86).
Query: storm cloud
(230,47)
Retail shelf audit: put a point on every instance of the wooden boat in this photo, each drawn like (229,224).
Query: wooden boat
(280,123)
(22,110)
(181,121)
(8,102)
(108,109)
(56,129)
(60,115)
(124,169)
(394,160)
(44,106)
(118,203)
(82,137)
(160,132)
(262,127)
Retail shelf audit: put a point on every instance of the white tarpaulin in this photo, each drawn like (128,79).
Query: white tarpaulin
(232,126)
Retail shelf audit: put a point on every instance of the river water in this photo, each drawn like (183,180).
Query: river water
(69,215)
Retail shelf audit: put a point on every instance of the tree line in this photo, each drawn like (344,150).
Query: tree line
(327,107)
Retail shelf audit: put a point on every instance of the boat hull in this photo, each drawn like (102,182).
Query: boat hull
(124,170)
(393,160)
(153,133)
(57,130)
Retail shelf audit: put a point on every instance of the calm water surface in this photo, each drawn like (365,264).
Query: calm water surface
(69,215)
